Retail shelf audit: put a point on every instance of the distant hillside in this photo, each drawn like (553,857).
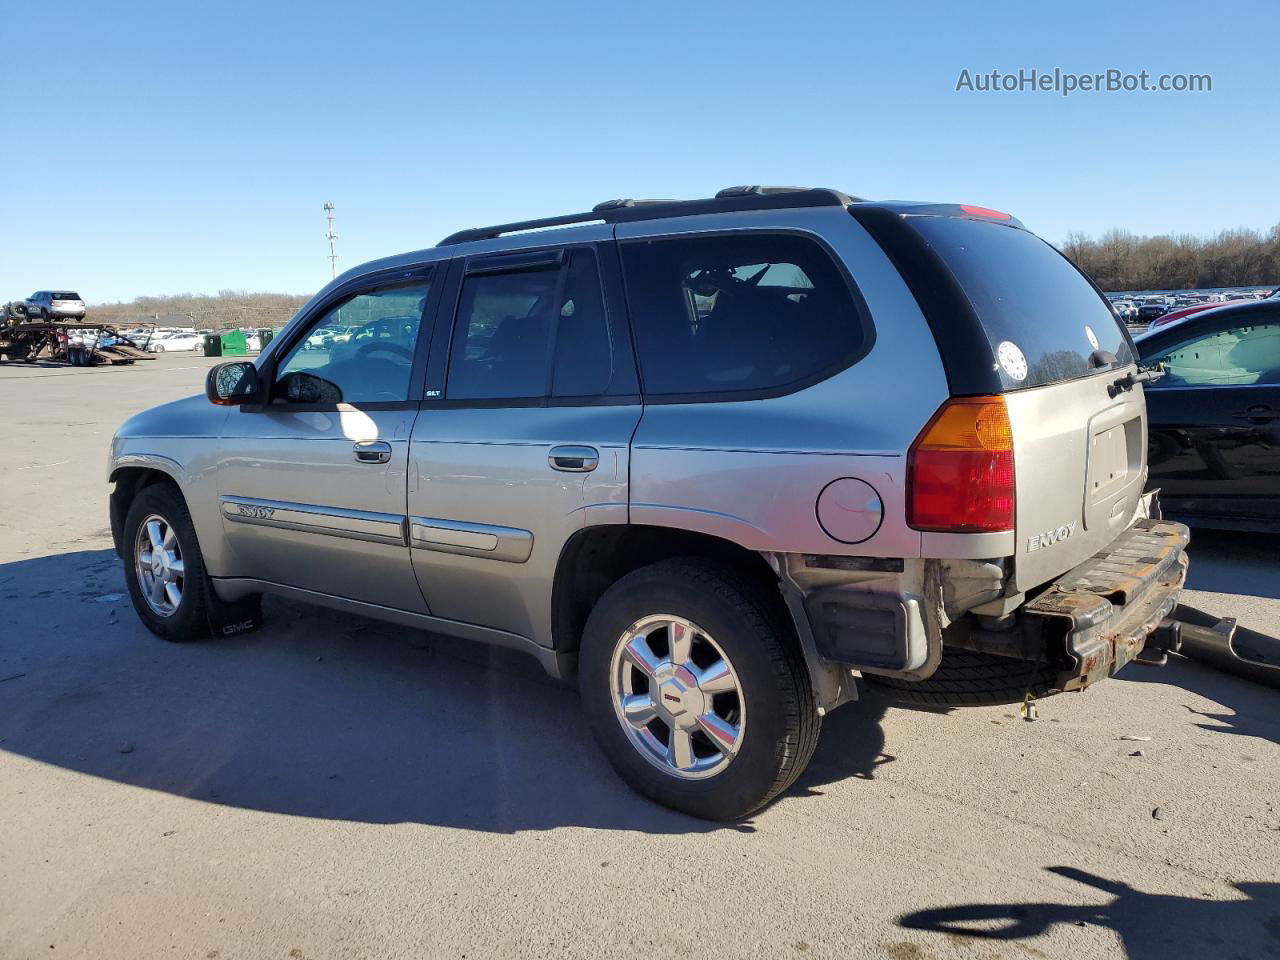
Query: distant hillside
(230,308)
(1119,260)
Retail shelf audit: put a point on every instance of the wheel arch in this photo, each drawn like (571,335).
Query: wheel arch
(132,474)
(596,557)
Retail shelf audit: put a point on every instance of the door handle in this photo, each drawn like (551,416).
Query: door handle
(1260,413)
(371,451)
(574,459)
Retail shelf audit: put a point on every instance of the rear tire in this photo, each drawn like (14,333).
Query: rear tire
(776,722)
(163,505)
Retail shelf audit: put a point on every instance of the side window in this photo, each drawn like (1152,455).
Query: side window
(532,333)
(737,312)
(359,351)
(1237,355)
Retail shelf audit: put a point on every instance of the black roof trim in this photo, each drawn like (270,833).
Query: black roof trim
(950,314)
(730,200)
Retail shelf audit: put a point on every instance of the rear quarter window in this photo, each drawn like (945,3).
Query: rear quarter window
(1025,293)
(737,314)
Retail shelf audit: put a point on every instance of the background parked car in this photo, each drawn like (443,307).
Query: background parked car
(1126,310)
(176,341)
(1149,312)
(1214,418)
(54,305)
(1173,316)
(321,339)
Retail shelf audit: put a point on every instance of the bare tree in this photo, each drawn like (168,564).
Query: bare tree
(1119,260)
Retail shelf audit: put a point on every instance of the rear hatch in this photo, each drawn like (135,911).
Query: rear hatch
(1013,316)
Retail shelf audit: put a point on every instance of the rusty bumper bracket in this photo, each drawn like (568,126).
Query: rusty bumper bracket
(1102,612)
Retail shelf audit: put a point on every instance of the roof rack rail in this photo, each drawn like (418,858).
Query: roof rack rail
(623,204)
(755,191)
(729,200)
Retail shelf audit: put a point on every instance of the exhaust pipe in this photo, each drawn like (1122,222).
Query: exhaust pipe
(1221,643)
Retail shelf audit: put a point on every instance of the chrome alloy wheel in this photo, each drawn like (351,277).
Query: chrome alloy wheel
(157,561)
(677,697)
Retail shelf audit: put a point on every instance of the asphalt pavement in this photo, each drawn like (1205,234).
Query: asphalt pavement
(332,787)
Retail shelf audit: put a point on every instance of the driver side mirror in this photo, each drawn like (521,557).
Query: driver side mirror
(233,384)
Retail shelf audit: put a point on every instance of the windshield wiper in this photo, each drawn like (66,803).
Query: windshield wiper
(1129,380)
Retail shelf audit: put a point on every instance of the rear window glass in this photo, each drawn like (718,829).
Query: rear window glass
(732,313)
(503,347)
(66,295)
(1043,319)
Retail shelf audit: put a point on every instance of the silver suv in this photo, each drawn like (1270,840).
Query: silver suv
(54,305)
(729,461)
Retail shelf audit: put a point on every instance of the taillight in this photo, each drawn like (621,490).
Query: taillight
(960,469)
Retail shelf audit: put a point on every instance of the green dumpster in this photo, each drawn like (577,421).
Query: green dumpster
(264,338)
(212,345)
(234,344)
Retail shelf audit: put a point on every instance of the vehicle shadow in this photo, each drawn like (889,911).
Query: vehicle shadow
(35,364)
(1225,561)
(851,745)
(1150,926)
(318,714)
(1256,707)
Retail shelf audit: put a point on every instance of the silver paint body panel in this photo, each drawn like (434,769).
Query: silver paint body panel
(487,469)
(1065,438)
(751,471)
(305,459)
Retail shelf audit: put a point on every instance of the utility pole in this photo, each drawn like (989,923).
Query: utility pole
(333,250)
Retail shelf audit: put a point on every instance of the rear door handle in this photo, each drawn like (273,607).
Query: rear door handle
(574,459)
(371,451)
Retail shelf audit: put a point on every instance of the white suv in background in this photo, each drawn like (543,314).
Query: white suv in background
(55,305)
(176,341)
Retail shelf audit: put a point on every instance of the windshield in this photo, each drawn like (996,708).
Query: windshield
(1045,322)
(64,295)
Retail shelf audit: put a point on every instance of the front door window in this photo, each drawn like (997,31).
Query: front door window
(359,351)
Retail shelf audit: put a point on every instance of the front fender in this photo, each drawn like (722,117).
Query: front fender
(190,463)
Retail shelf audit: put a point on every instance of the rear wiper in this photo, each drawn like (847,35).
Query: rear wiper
(1129,380)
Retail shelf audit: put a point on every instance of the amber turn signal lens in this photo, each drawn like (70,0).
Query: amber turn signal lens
(960,469)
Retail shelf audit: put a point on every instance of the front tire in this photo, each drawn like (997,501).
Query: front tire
(696,690)
(163,565)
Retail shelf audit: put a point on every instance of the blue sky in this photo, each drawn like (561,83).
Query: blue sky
(189,147)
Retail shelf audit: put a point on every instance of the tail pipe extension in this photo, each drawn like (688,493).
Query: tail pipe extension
(1218,643)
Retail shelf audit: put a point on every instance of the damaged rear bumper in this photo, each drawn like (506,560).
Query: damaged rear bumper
(1101,613)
